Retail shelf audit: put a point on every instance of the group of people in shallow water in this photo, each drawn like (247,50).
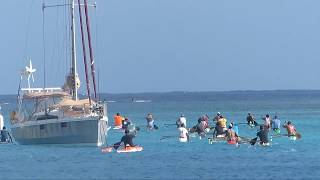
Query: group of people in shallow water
(230,132)
(221,128)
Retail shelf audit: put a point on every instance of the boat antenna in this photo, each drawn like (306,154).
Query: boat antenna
(99,84)
(84,53)
(43,46)
(44,55)
(90,48)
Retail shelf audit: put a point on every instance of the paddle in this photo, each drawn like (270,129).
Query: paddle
(155,127)
(245,139)
(170,124)
(298,135)
(116,145)
(279,135)
(253,141)
(251,125)
(166,137)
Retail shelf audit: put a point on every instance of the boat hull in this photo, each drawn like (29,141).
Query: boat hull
(72,131)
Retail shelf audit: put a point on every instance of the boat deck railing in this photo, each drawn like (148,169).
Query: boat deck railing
(42,89)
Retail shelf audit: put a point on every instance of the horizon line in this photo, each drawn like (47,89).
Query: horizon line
(181,91)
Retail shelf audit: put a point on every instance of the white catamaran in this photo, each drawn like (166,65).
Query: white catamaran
(57,115)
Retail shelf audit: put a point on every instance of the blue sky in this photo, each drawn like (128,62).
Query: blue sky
(172,45)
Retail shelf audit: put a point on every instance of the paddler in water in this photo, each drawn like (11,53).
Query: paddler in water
(290,128)
(235,127)
(127,139)
(217,117)
(150,122)
(125,123)
(251,120)
(181,121)
(263,136)
(232,136)
(184,136)
(199,128)
(276,124)
(221,126)
(5,135)
(205,118)
(267,122)
(118,120)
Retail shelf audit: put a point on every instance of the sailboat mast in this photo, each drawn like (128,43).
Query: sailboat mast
(84,53)
(73,53)
(90,48)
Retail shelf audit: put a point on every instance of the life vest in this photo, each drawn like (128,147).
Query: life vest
(118,120)
(222,122)
(291,130)
(267,123)
(231,135)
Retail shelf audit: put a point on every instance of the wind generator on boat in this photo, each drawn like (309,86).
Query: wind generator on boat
(56,115)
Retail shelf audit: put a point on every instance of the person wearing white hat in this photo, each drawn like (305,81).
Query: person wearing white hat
(182,121)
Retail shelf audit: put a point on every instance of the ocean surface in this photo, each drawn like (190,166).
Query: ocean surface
(170,159)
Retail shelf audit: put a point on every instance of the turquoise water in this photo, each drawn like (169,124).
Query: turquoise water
(169,159)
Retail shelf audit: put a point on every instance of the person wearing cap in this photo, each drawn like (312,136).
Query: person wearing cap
(217,117)
(276,124)
(184,136)
(125,123)
(263,136)
(127,139)
(181,121)
(118,120)
(290,128)
(251,120)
